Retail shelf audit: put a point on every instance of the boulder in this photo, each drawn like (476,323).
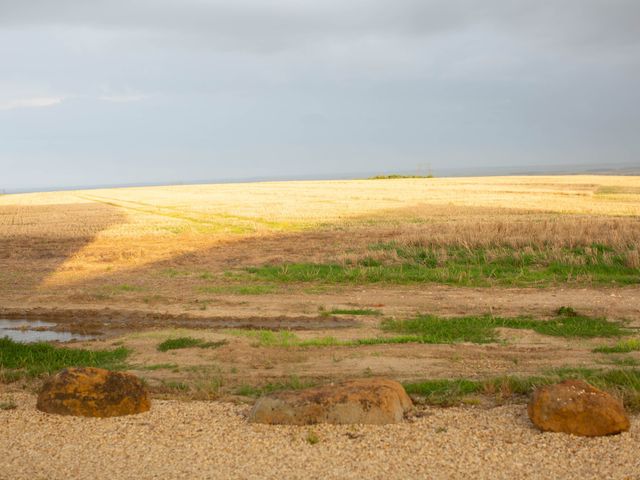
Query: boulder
(366,401)
(93,392)
(576,407)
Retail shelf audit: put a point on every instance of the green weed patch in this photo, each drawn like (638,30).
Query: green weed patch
(34,359)
(467,267)
(482,329)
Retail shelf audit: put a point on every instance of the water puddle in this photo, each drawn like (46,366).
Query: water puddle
(31,331)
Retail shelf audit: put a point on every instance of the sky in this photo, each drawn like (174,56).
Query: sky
(143,91)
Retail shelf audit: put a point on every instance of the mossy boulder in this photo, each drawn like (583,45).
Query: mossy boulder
(575,407)
(366,401)
(93,392)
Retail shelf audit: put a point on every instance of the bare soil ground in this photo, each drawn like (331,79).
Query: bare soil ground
(241,362)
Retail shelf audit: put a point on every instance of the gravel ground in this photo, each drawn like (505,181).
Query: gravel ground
(212,440)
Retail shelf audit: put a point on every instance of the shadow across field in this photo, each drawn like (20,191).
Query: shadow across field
(36,240)
(468,246)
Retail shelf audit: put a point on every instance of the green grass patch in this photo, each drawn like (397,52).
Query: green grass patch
(177,343)
(505,266)
(187,342)
(624,346)
(624,383)
(34,359)
(432,329)
(482,329)
(444,392)
(267,338)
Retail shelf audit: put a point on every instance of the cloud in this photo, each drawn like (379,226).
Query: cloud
(33,102)
(278,25)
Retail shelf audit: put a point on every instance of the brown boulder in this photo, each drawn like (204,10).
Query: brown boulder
(576,407)
(93,392)
(366,401)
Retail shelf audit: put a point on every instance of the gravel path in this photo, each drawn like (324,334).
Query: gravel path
(212,440)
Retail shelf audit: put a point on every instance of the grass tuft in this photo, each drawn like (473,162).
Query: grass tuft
(177,343)
(312,438)
(187,342)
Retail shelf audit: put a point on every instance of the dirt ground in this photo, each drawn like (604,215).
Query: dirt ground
(211,373)
(297,302)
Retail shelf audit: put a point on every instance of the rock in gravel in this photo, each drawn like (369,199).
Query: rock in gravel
(93,392)
(365,401)
(574,406)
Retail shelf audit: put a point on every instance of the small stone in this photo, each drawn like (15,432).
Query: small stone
(366,401)
(93,392)
(574,406)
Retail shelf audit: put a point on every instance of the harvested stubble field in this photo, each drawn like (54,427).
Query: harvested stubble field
(453,286)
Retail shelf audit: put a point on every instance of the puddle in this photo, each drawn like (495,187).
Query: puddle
(41,325)
(31,331)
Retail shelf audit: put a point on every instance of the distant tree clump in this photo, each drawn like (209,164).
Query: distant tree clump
(396,176)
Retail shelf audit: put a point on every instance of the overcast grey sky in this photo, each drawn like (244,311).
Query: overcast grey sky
(130,91)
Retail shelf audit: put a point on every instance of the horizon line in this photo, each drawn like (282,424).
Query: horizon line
(451,172)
